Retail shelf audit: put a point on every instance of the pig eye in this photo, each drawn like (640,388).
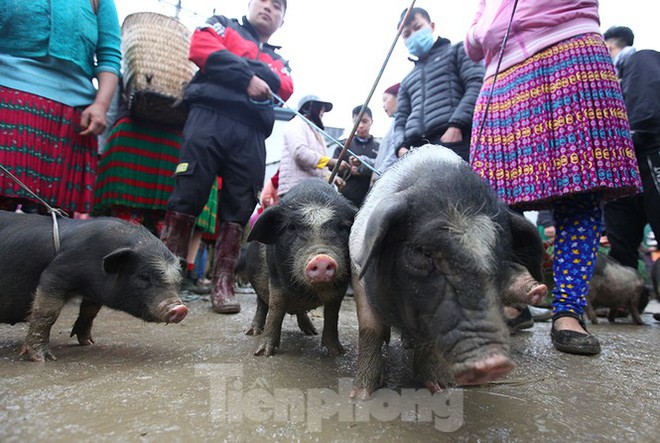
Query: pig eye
(144,276)
(420,259)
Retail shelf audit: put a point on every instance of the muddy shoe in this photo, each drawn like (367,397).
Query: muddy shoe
(573,342)
(522,321)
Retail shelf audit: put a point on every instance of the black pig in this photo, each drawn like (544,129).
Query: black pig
(106,261)
(301,263)
(614,286)
(435,253)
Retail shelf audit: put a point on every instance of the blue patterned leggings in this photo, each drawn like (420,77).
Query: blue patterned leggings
(578,224)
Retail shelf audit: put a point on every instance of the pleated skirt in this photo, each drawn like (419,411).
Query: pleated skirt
(556,126)
(136,171)
(40,144)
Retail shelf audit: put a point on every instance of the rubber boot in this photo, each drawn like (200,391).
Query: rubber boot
(227,250)
(176,233)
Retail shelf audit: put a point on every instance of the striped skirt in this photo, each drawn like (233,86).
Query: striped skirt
(40,144)
(556,125)
(136,174)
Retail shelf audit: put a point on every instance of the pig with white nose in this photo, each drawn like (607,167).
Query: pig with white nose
(106,261)
(436,254)
(298,260)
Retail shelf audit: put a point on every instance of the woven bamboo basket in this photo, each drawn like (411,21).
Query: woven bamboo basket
(156,66)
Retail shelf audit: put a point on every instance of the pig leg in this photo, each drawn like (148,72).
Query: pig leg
(430,368)
(634,311)
(591,314)
(372,333)
(46,308)
(611,315)
(259,319)
(305,324)
(273,327)
(330,337)
(82,328)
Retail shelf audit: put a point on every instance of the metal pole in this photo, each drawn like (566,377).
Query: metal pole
(178,9)
(371,93)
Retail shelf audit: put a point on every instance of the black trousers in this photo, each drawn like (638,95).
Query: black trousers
(626,217)
(215,145)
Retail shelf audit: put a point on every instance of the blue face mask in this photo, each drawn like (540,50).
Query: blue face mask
(420,42)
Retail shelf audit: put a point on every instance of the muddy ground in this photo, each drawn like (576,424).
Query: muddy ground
(198,381)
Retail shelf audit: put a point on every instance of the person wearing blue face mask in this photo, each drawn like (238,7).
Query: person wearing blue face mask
(436,99)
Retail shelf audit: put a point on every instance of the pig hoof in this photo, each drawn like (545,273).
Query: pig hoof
(85,341)
(30,354)
(335,349)
(266,349)
(433,386)
(254,330)
(305,325)
(362,394)
(84,337)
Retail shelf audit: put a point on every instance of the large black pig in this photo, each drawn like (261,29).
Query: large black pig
(301,262)
(106,261)
(436,254)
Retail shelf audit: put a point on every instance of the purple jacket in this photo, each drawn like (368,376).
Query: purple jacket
(536,26)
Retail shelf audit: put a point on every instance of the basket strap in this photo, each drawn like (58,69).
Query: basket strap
(95,5)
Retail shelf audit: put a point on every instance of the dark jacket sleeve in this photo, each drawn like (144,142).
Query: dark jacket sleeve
(641,90)
(471,75)
(402,112)
(266,74)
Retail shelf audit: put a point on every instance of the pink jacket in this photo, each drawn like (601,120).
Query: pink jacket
(304,155)
(537,24)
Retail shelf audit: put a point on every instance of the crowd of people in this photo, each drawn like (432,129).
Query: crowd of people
(551,113)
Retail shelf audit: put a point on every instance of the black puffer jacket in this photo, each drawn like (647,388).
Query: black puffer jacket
(439,92)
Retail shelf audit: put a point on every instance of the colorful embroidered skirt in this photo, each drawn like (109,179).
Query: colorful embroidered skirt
(41,145)
(136,173)
(556,125)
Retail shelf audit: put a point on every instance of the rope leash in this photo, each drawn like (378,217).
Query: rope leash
(54,212)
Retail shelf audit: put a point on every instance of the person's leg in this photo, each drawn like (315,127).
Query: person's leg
(624,223)
(201,155)
(242,174)
(649,169)
(579,226)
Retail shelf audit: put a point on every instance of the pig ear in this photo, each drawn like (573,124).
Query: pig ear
(266,227)
(118,260)
(527,244)
(386,214)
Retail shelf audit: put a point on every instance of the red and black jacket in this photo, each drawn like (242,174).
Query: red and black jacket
(228,54)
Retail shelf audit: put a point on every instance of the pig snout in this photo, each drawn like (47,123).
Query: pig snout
(493,365)
(176,314)
(537,294)
(321,268)
(172,311)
